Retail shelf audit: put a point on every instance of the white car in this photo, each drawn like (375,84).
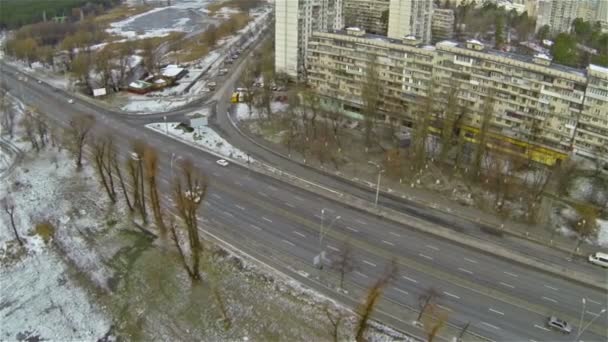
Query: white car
(70,101)
(39,82)
(222,162)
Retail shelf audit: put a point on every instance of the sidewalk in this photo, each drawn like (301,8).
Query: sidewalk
(531,242)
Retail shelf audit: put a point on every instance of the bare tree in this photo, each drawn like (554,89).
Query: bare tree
(344,262)
(373,296)
(482,139)
(586,225)
(247,80)
(8,205)
(427,298)
(78,134)
(434,320)
(423,113)
(450,114)
(114,162)
(151,166)
(104,172)
(8,114)
(189,191)
(370,94)
(335,318)
(42,128)
(29,129)
(136,172)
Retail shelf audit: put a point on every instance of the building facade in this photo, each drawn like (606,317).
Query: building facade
(442,24)
(410,18)
(295,20)
(557,14)
(370,15)
(541,110)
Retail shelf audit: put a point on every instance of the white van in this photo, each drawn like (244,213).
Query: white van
(599,258)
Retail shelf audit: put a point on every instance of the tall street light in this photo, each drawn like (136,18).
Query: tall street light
(380,172)
(582,329)
(318,260)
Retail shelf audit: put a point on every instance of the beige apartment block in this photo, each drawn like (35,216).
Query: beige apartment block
(541,110)
(442,24)
(370,15)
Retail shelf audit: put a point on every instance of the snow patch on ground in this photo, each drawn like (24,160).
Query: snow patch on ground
(204,137)
(242,110)
(602,235)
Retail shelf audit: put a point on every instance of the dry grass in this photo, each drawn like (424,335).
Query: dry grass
(216,6)
(120,13)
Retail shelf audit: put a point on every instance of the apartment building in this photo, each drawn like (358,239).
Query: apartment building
(370,15)
(410,18)
(442,24)
(541,110)
(558,14)
(295,20)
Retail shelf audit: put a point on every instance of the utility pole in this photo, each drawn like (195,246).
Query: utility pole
(380,172)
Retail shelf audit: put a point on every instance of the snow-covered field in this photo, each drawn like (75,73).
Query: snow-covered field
(241,110)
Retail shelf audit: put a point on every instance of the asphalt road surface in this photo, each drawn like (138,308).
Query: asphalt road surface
(503,301)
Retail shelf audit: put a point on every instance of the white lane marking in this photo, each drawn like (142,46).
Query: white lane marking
(228,214)
(299,234)
(333,248)
(451,295)
(255,227)
(288,242)
(471,260)
(352,229)
(369,263)
(496,311)
(238,183)
(552,288)
(592,301)
(549,299)
(262,194)
(360,221)
(216,174)
(540,327)
(507,285)
(410,279)
(361,274)
(511,274)
(298,198)
(464,270)
(290,205)
(266,219)
(432,247)
(395,234)
(593,313)
(444,307)
(164,181)
(272,188)
(490,325)
(240,207)
(400,290)
(388,243)
(425,256)
(216,196)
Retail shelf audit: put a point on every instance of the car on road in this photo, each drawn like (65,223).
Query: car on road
(599,258)
(559,325)
(39,82)
(70,101)
(222,162)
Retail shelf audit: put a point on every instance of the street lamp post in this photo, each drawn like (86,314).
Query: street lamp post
(580,327)
(318,260)
(380,172)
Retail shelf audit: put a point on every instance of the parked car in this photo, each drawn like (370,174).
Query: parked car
(599,258)
(70,101)
(222,162)
(39,82)
(559,325)
(211,85)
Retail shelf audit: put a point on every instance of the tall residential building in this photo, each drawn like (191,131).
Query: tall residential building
(370,15)
(295,22)
(410,18)
(541,110)
(442,26)
(558,14)
(531,7)
(587,9)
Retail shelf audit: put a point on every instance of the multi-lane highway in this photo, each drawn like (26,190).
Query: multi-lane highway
(502,300)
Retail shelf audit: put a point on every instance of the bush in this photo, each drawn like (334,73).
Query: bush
(45,230)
